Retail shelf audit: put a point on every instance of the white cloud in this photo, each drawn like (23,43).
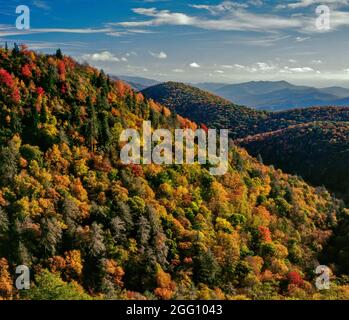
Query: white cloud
(316,61)
(270,68)
(287,69)
(194,65)
(226,6)
(161,17)
(219,71)
(292,61)
(160,55)
(262,66)
(104,56)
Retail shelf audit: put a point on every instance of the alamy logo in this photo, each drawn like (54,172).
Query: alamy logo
(159,147)
(322,282)
(323,21)
(23,20)
(23,280)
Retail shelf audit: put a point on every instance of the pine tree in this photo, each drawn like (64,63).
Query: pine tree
(59,54)
(15,50)
(93,125)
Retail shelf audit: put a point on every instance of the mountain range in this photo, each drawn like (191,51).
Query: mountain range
(264,95)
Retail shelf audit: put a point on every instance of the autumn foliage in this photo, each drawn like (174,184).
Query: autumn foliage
(91,227)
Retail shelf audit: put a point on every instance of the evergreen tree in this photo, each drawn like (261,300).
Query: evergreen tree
(93,125)
(59,54)
(15,50)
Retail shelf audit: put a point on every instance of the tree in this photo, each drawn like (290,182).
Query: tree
(59,54)
(8,165)
(71,214)
(118,227)
(51,234)
(206,268)
(49,286)
(92,125)
(15,50)
(6,286)
(4,222)
(143,231)
(96,245)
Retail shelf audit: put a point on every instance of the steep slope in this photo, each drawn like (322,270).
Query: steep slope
(317,151)
(82,221)
(204,107)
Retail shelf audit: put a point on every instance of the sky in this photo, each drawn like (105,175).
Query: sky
(193,41)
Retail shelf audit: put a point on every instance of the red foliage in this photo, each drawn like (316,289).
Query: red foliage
(295,278)
(6,78)
(265,233)
(204,128)
(16,97)
(26,71)
(40,91)
(137,170)
(63,89)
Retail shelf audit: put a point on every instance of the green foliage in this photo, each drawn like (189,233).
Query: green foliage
(50,286)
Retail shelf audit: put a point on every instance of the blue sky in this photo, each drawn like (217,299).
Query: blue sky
(192,41)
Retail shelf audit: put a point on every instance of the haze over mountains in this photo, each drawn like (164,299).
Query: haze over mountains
(281,95)
(264,95)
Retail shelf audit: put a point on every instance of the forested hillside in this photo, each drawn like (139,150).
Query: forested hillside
(214,111)
(209,109)
(89,227)
(317,151)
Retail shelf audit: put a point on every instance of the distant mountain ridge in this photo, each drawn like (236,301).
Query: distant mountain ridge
(281,95)
(263,95)
(137,83)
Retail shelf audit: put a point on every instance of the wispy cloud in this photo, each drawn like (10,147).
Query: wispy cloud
(104,56)
(160,55)
(41,4)
(287,69)
(270,68)
(7,31)
(238,19)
